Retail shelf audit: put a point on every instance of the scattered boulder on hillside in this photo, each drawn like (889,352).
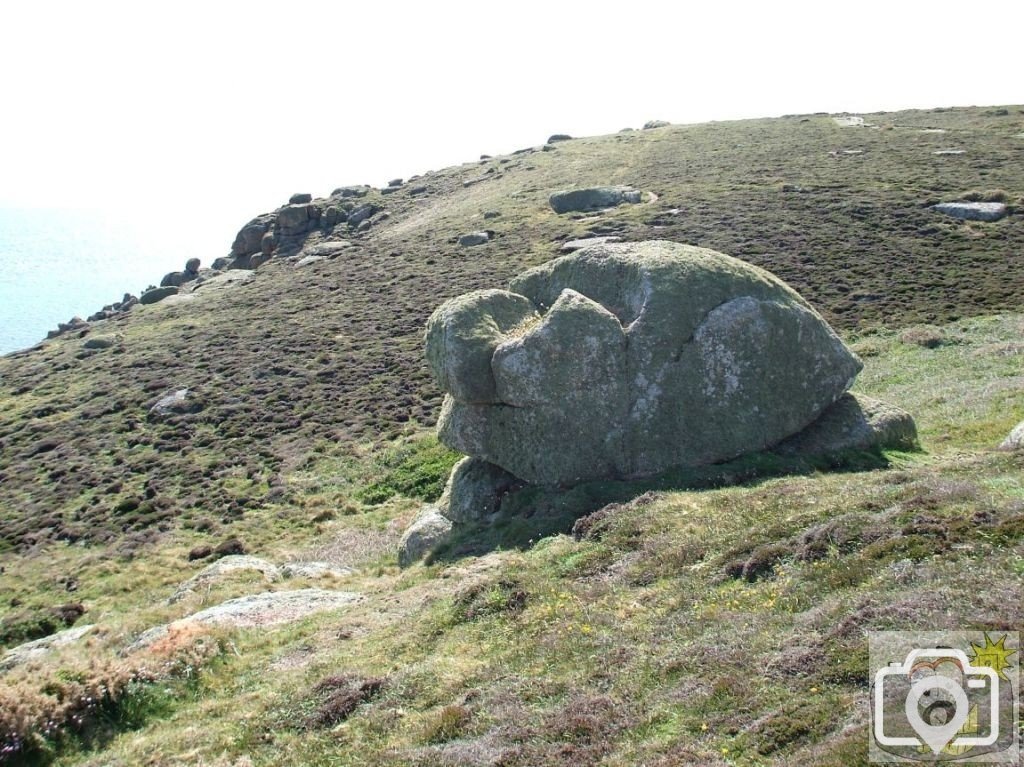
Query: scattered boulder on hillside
(270,608)
(474,238)
(217,571)
(595,198)
(155,295)
(37,648)
(350,191)
(300,198)
(625,360)
(98,342)
(1015,439)
(586,242)
(652,124)
(176,403)
(973,211)
(559,137)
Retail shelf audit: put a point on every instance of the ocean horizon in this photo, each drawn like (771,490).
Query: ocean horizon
(58,263)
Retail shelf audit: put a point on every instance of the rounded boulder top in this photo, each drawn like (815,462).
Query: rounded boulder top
(626,359)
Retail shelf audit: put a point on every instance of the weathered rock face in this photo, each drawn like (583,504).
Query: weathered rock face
(594,198)
(623,360)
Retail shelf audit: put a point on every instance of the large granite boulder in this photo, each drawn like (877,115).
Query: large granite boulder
(594,198)
(624,360)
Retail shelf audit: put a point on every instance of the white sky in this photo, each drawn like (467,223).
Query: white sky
(221,110)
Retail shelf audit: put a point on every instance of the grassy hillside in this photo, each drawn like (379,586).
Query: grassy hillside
(708,623)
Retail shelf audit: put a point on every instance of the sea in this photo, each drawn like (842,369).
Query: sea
(56,264)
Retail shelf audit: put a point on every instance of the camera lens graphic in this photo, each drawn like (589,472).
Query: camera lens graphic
(945,709)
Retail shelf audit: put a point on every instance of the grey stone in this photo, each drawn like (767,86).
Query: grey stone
(652,124)
(217,571)
(973,211)
(595,198)
(474,490)
(948,152)
(192,265)
(423,536)
(854,422)
(221,263)
(559,137)
(395,182)
(1015,439)
(267,609)
(350,191)
(329,248)
(623,360)
(314,570)
(361,214)
(268,244)
(99,342)
(334,215)
(176,402)
(474,238)
(247,241)
(585,242)
(37,648)
(300,198)
(293,219)
(156,295)
(308,260)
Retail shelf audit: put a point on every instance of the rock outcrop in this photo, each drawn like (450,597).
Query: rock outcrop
(623,360)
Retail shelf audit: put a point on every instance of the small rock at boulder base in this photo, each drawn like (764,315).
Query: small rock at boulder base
(623,360)
(155,295)
(652,124)
(300,198)
(221,263)
(1015,439)
(973,211)
(854,422)
(474,238)
(474,490)
(423,536)
(559,137)
(595,198)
